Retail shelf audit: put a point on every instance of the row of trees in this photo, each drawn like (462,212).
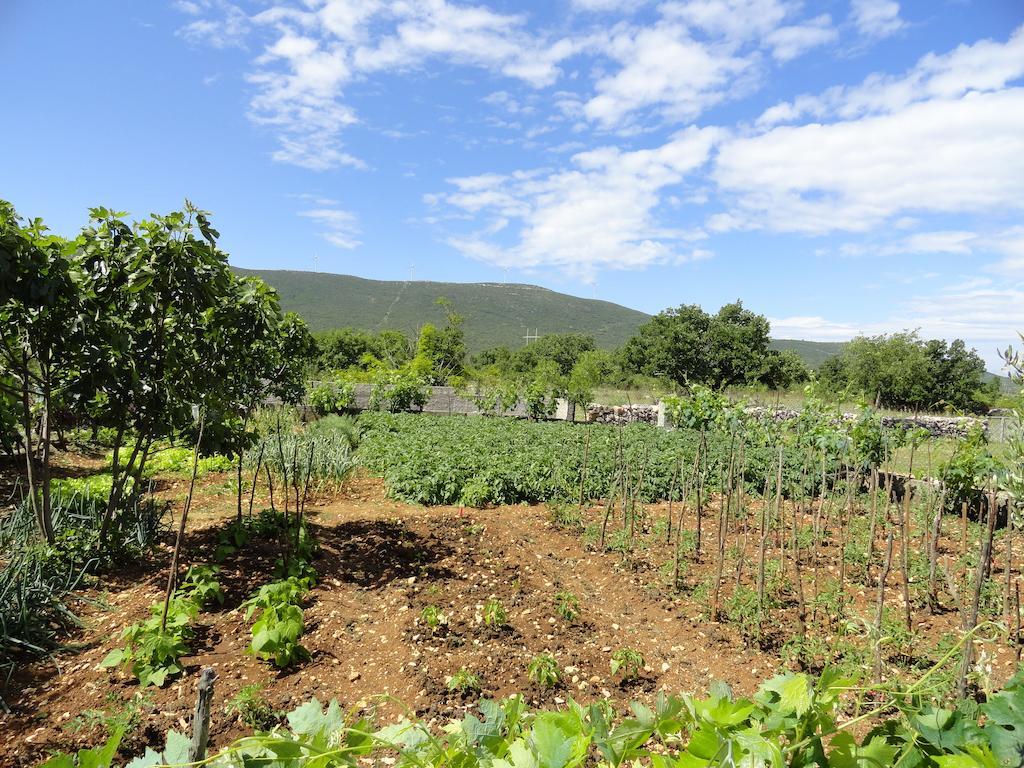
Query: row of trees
(140,329)
(680,348)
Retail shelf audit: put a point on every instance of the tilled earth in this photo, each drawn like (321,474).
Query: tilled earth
(380,563)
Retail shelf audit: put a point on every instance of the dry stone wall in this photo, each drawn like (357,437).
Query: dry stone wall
(937,426)
(623,414)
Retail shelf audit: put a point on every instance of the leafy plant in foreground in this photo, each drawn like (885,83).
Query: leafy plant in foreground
(791,722)
(153,653)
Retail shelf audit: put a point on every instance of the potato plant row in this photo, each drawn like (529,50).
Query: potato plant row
(479,461)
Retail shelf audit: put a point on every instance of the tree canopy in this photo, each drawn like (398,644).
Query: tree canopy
(901,370)
(689,346)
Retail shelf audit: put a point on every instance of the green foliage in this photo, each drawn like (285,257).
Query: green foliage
(331,394)
(689,346)
(249,706)
(901,370)
(628,662)
(543,670)
(432,459)
(433,617)
(784,369)
(567,605)
(565,515)
(279,625)
(315,456)
(153,652)
(970,466)
(201,586)
(463,682)
(494,614)
(546,385)
(404,389)
(178,461)
(345,348)
(791,722)
(443,350)
(123,717)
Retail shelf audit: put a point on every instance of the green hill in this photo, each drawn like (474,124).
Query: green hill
(496,313)
(813,353)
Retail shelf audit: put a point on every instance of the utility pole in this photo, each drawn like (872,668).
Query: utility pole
(316,262)
(531,336)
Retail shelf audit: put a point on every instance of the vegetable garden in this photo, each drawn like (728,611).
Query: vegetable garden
(469,591)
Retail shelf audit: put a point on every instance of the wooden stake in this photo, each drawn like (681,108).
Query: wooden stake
(201,718)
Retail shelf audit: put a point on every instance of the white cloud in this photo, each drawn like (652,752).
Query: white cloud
(317,50)
(877,18)
(467,35)
(663,66)
(603,6)
(227,30)
(736,21)
(338,227)
(789,42)
(986,65)
(954,241)
(698,54)
(599,214)
(962,155)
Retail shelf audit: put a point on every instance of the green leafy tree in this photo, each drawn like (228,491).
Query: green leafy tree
(42,325)
(444,348)
(900,370)
(689,346)
(784,369)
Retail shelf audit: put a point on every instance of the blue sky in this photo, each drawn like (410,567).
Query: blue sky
(843,167)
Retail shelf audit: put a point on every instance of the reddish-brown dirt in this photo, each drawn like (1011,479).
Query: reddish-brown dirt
(381,562)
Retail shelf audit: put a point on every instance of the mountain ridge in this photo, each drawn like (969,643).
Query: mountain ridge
(495,313)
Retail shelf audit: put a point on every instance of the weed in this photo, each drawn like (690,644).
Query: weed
(565,516)
(567,606)
(463,683)
(125,716)
(627,661)
(249,706)
(543,670)
(495,615)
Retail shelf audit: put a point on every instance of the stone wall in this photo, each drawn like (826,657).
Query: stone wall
(937,426)
(623,414)
(440,400)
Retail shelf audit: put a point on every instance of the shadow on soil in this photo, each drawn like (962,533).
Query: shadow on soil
(371,554)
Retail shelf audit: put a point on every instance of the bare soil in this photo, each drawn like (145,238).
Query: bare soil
(381,562)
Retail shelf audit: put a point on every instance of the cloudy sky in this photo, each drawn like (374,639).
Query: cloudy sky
(842,166)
